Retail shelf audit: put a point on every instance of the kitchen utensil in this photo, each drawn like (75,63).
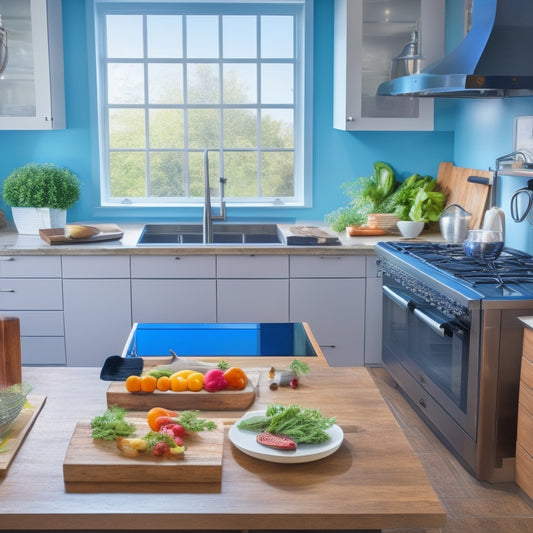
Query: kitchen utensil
(12,401)
(494,220)
(454,224)
(456,183)
(408,61)
(483,243)
(522,202)
(117,368)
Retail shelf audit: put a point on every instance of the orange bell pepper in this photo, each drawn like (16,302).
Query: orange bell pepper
(236,377)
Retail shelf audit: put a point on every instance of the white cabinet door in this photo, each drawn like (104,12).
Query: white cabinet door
(97,319)
(252,300)
(373,313)
(367,36)
(173,300)
(335,311)
(32,95)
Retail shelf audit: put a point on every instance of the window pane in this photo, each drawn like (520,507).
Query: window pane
(167,177)
(165,83)
(277,174)
(202,36)
(196,173)
(277,84)
(240,169)
(166,128)
(239,34)
(277,128)
(125,83)
(277,39)
(124,36)
(203,128)
(126,128)
(240,83)
(165,36)
(127,174)
(202,84)
(240,128)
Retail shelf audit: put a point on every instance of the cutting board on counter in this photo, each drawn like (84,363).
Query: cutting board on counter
(474,197)
(307,236)
(107,232)
(101,462)
(223,400)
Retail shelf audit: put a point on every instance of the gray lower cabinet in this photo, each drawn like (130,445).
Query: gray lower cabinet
(97,307)
(30,289)
(373,313)
(173,288)
(328,292)
(252,288)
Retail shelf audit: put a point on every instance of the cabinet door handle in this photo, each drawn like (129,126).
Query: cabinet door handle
(327,346)
(3,258)
(7,290)
(330,257)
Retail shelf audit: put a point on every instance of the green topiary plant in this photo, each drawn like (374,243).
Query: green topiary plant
(41,185)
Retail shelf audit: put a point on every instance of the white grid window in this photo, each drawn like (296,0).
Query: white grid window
(178,78)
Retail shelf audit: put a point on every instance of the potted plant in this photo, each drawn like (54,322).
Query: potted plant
(39,196)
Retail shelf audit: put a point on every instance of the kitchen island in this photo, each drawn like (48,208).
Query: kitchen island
(372,481)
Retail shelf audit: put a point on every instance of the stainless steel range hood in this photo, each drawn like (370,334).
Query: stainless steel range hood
(493,60)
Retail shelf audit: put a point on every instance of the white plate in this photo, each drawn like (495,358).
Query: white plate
(246,442)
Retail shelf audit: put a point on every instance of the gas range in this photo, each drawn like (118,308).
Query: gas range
(448,269)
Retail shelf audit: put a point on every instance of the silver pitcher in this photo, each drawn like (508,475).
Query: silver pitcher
(454,224)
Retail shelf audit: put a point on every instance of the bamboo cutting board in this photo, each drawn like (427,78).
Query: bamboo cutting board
(474,197)
(97,461)
(224,400)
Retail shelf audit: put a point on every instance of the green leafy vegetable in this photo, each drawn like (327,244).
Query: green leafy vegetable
(160,372)
(190,421)
(111,424)
(223,365)
(427,206)
(301,424)
(153,437)
(299,368)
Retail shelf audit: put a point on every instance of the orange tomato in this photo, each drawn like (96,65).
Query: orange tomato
(195,382)
(148,383)
(178,384)
(133,383)
(236,377)
(163,383)
(155,412)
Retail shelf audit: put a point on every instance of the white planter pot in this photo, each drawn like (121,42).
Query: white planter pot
(29,220)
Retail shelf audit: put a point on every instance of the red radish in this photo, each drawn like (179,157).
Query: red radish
(214,380)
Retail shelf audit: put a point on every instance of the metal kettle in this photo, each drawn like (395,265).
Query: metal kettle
(494,220)
(454,223)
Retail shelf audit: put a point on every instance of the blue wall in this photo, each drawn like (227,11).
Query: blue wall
(469,133)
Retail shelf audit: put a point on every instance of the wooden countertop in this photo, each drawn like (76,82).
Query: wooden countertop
(373,481)
(11,243)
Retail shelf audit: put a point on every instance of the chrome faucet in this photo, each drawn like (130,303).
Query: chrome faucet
(208,215)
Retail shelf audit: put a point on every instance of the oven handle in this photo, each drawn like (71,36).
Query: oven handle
(433,322)
(398,298)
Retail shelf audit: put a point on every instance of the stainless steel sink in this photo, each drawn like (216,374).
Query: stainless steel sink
(227,233)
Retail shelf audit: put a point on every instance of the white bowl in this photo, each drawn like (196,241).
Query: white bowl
(410,229)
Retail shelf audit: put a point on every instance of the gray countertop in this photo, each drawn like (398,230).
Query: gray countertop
(11,243)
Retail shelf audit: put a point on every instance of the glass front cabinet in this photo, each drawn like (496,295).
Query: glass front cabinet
(370,38)
(32,92)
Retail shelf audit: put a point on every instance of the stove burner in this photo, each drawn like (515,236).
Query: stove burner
(512,271)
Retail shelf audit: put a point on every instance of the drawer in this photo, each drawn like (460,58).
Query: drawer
(526,372)
(252,266)
(524,431)
(43,350)
(29,266)
(170,266)
(328,266)
(39,323)
(524,470)
(31,294)
(99,266)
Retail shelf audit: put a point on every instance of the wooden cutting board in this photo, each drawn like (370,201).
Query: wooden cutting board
(96,461)
(11,442)
(474,197)
(107,232)
(224,400)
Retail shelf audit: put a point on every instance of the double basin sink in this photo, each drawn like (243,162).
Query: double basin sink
(224,233)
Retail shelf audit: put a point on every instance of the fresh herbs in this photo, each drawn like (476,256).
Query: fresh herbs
(299,368)
(301,424)
(190,421)
(111,424)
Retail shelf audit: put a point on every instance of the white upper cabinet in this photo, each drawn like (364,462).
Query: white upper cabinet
(32,91)
(369,35)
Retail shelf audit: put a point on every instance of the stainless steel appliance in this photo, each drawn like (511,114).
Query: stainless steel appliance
(452,341)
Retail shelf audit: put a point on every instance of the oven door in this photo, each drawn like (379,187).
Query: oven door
(433,348)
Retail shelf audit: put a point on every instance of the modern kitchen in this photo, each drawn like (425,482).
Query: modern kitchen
(361,250)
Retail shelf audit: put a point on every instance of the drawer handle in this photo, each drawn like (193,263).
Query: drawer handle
(422,402)
(330,257)
(7,290)
(327,346)
(3,258)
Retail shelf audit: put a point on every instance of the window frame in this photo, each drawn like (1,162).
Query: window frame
(303,120)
